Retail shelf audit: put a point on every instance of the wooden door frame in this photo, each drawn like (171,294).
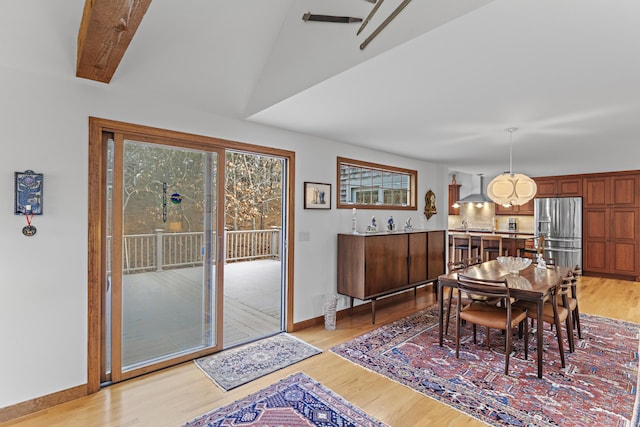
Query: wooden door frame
(96,247)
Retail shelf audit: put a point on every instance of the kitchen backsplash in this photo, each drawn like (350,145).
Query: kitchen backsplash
(484,217)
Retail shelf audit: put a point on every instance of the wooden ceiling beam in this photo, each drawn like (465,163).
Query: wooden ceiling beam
(107,28)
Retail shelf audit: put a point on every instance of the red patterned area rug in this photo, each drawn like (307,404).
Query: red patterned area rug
(297,400)
(598,387)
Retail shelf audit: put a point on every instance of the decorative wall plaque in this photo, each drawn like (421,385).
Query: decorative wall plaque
(28,193)
(430,204)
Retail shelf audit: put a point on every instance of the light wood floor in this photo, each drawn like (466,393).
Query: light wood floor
(179,394)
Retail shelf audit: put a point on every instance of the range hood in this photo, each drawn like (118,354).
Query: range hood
(477,195)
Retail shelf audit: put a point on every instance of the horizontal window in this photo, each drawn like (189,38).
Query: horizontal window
(375,186)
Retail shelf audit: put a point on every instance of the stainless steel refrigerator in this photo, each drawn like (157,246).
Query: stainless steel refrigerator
(559,220)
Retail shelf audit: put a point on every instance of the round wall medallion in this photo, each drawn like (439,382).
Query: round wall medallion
(29,230)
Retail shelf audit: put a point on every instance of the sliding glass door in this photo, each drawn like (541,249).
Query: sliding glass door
(194,251)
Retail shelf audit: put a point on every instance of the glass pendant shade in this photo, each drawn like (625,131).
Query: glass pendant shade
(512,189)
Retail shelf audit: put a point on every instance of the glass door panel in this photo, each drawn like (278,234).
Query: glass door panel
(254,262)
(165,300)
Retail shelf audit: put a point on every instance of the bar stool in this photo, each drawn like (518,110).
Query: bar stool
(462,243)
(528,252)
(487,250)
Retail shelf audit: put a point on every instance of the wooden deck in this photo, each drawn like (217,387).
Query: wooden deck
(163,310)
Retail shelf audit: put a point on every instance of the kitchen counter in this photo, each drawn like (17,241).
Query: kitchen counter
(504,234)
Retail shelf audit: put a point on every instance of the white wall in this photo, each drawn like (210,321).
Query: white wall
(43,279)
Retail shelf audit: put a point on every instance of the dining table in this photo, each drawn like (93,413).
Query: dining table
(532,284)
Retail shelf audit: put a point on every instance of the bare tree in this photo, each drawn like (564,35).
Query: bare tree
(165,188)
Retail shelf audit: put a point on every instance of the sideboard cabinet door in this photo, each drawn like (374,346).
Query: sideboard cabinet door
(385,263)
(436,247)
(417,257)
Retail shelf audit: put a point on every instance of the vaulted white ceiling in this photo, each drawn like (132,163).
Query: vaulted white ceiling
(441,82)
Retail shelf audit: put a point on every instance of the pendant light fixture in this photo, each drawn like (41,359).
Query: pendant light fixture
(511,189)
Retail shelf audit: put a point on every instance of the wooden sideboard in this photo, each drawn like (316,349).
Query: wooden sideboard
(374,265)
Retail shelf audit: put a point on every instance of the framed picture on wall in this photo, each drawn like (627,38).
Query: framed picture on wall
(317,195)
(28,193)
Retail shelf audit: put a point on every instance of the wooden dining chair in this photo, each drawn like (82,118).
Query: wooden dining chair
(555,307)
(452,267)
(503,316)
(466,298)
(572,296)
(577,272)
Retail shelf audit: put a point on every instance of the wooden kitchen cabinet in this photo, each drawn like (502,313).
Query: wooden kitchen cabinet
(454,196)
(371,266)
(501,210)
(611,224)
(610,243)
(559,186)
(526,209)
(611,190)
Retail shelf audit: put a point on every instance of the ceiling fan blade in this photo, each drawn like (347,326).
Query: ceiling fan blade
(330,18)
(368,18)
(386,22)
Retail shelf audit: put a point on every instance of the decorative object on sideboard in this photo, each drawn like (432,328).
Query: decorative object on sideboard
(430,204)
(407,225)
(511,189)
(354,222)
(373,227)
(391,225)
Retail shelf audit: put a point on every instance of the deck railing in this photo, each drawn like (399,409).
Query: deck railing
(160,250)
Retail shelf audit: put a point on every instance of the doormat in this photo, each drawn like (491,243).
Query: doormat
(237,366)
(598,386)
(297,400)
